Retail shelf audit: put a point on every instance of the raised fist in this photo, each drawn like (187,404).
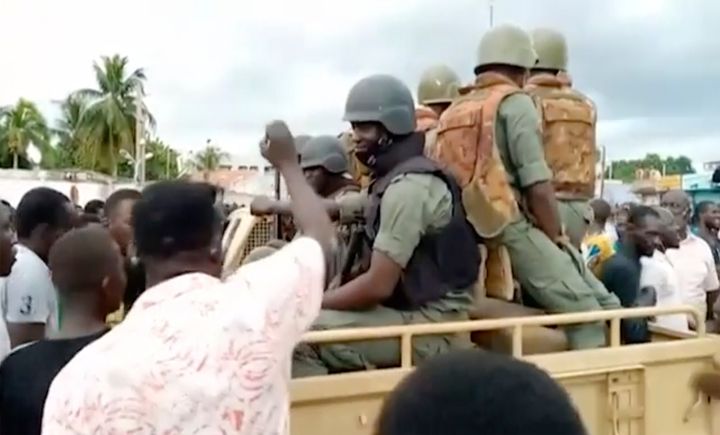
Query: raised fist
(278,147)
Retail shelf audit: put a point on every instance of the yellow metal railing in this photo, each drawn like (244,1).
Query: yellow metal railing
(407,332)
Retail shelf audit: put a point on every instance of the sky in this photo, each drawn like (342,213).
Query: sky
(220,69)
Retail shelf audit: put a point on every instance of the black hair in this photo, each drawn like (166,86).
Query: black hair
(175,216)
(601,210)
(94,206)
(639,213)
(41,205)
(82,258)
(119,196)
(477,392)
(701,208)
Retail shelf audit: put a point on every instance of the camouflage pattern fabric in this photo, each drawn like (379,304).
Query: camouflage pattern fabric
(468,149)
(426,119)
(568,129)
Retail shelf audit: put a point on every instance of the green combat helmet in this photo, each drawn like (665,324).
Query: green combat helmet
(506,45)
(300,141)
(384,99)
(438,84)
(326,152)
(551,49)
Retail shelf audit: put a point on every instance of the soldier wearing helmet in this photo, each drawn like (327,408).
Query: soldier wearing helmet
(568,121)
(419,257)
(324,162)
(437,89)
(489,139)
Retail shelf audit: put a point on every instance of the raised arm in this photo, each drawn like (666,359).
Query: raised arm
(307,208)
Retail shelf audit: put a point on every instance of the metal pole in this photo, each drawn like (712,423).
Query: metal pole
(491,13)
(139,143)
(602,178)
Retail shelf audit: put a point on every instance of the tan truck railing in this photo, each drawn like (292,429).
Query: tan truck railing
(407,332)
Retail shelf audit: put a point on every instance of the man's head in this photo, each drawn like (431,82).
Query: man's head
(95,207)
(552,51)
(7,241)
(707,215)
(508,50)
(380,109)
(87,269)
(476,392)
(322,159)
(42,216)
(643,230)
(678,202)
(118,212)
(438,88)
(178,230)
(669,231)
(601,211)
(620,216)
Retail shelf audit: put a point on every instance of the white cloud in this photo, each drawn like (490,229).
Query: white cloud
(219,69)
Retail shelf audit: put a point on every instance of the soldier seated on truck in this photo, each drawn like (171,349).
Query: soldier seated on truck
(419,255)
(489,139)
(325,165)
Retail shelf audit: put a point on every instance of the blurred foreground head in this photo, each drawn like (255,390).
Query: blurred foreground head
(474,392)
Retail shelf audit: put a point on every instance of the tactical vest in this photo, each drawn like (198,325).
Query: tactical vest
(466,146)
(425,118)
(568,128)
(443,261)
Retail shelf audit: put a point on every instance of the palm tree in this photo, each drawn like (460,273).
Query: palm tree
(209,159)
(22,125)
(108,123)
(67,130)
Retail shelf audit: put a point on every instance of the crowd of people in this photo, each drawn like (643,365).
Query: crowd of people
(120,321)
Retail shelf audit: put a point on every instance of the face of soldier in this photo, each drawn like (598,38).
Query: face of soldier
(315,177)
(368,137)
(439,108)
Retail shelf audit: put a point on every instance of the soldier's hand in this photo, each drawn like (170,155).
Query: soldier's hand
(261,206)
(278,147)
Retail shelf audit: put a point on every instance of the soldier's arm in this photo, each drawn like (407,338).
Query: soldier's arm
(405,213)
(347,208)
(528,159)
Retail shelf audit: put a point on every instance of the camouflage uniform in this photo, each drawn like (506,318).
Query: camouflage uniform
(554,277)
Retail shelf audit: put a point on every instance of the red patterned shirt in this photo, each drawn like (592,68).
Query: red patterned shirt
(196,355)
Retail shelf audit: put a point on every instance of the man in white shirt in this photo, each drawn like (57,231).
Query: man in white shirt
(7,259)
(692,260)
(30,302)
(196,354)
(658,272)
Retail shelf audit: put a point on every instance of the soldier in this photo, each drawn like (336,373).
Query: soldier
(437,89)
(568,121)
(489,138)
(420,257)
(325,165)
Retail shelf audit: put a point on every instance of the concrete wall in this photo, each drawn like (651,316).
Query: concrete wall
(15,183)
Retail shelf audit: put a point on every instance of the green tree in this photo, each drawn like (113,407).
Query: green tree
(209,159)
(22,124)
(108,123)
(163,163)
(625,169)
(67,131)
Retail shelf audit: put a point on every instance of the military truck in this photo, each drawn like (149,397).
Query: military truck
(619,390)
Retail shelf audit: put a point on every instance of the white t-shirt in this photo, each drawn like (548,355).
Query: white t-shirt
(29,292)
(695,268)
(657,272)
